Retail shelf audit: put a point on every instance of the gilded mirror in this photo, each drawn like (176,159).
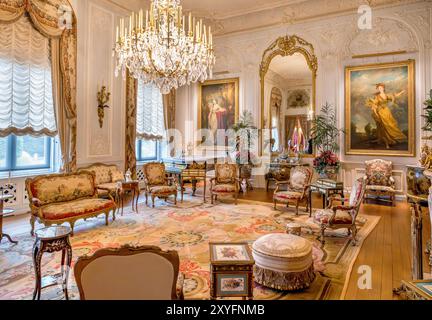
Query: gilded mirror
(288,93)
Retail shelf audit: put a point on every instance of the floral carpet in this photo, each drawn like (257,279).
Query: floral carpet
(188,228)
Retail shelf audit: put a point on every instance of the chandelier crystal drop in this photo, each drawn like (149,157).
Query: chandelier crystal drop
(164,47)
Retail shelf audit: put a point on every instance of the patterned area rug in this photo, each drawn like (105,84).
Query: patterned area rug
(188,228)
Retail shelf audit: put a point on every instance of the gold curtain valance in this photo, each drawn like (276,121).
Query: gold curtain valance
(47,15)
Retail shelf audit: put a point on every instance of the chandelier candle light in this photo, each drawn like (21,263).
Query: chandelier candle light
(161,47)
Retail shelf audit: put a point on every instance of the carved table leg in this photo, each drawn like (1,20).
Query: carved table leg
(37,259)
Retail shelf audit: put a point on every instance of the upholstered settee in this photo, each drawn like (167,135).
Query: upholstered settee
(59,198)
(106,178)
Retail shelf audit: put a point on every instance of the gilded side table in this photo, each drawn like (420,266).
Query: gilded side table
(415,290)
(4,211)
(49,240)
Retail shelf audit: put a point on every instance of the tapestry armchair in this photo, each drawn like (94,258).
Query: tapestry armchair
(225,182)
(157,183)
(379,180)
(130,273)
(342,215)
(297,188)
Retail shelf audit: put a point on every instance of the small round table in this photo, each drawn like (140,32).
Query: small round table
(49,240)
(3,212)
(132,186)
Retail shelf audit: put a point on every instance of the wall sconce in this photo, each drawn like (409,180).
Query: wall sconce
(103,97)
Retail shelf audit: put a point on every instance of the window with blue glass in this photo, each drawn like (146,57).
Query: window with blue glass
(25,153)
(147,150)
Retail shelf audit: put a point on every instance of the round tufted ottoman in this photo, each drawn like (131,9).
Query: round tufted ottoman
(283,262)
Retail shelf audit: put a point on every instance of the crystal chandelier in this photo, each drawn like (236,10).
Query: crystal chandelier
(161,47)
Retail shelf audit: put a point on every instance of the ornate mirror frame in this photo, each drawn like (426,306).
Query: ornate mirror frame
(286,46)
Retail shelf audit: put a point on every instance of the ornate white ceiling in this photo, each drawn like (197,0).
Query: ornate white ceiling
(231,16)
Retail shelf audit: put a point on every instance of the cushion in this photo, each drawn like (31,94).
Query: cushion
(381,188)
(283,252)
(103,173)
(76,208)
(342,217)
(163,189)
(379,172)
(224,188)
(117,175)
(287,195)
(112,186)
(60,188)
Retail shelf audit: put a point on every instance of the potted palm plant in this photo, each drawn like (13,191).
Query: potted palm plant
(426,153)
(245,136)
(325,137)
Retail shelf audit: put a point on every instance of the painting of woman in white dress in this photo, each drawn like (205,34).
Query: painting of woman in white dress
(218,105)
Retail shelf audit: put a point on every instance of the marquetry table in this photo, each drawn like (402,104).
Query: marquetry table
(3,212)
(128,186)
(50,240)
(231,266)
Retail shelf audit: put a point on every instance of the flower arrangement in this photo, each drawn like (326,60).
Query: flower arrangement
(325,160)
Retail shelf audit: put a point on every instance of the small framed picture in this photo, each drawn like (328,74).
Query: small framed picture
(232,284)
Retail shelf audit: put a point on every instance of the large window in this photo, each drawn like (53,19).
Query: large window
(25,153)
(147,150)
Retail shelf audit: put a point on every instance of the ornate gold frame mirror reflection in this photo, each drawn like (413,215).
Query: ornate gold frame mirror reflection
(288,111)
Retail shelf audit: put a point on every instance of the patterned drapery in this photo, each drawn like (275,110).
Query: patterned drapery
(55,19)
(131,124)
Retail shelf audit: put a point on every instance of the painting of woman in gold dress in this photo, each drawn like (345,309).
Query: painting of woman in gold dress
(380,109)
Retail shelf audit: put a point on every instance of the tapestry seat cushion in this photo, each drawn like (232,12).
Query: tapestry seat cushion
(112,186)
(52,189)
(76,208)
(163,189)
(287,195)
(224,188)
(341,217)
(283,261)
(380,188)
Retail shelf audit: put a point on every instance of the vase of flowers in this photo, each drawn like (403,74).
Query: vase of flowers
(327,165)
(325,136)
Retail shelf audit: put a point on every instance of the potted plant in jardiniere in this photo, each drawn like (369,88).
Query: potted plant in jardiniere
(245,136)
(325,137)
(426,153)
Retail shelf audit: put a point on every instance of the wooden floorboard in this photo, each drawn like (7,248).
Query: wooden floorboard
(387,250)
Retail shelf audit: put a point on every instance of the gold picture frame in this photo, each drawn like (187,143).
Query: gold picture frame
(213,88)
(383,134)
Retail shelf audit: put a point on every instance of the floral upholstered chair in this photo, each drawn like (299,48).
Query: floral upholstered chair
(225,182)
(379,180)
(157,184)
(297,188)
(344,215)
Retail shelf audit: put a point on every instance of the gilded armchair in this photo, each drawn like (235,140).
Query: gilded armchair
(157,184)
(225,182)
(343,215)
(297,188)
(379,180)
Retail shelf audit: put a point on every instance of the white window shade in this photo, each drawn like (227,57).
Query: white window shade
(150,113)
(26,95)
